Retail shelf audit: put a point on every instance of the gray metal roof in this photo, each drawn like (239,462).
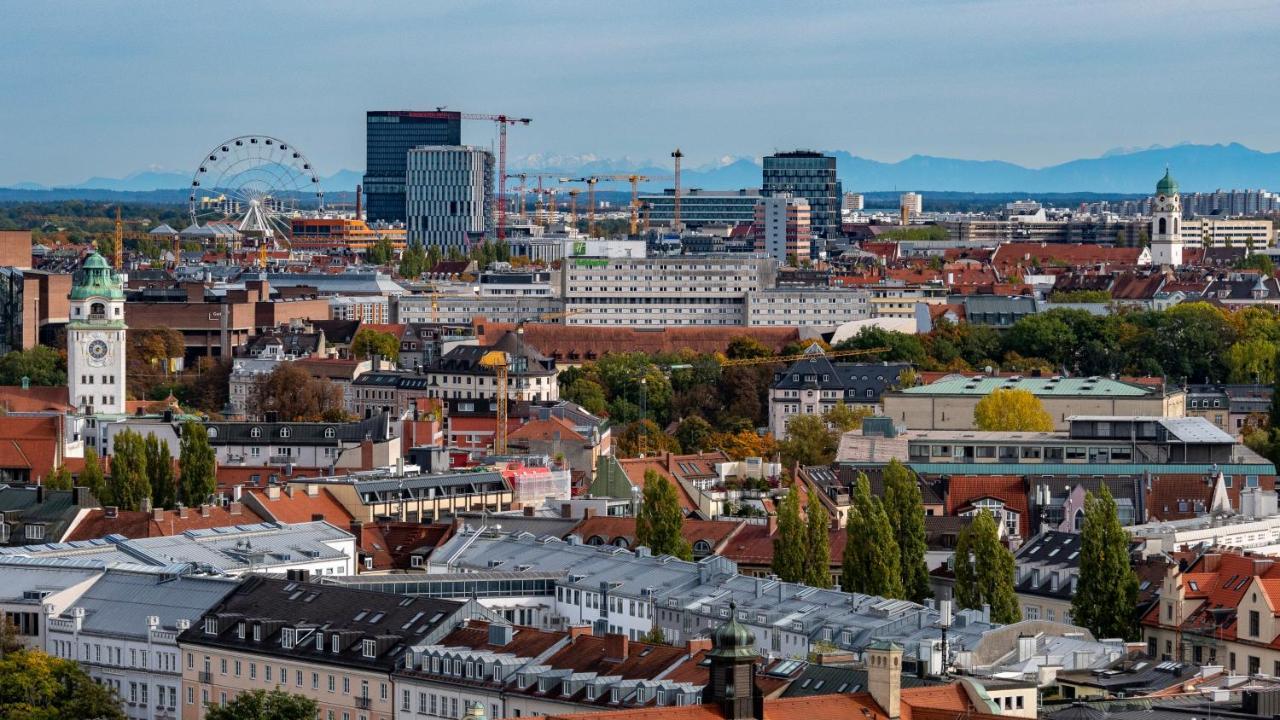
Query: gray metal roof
(120,602)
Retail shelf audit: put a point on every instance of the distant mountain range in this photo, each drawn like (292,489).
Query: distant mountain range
(1123,170)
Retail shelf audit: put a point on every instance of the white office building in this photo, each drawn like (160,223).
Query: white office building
(449,195)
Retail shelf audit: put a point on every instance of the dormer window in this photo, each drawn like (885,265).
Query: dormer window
(369,649)
(335,644)
(255,432)
(591,692)
(211,626)
(212,432)
(330,433)
(319,641)
(257,632)
(284,432)
(240,630)
(288,637)
(614,695)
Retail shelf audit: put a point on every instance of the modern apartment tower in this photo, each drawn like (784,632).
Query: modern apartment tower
(449,195)
(812,176)
(782,229)
(389,136)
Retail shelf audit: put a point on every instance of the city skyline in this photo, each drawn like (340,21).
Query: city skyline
(1089,76)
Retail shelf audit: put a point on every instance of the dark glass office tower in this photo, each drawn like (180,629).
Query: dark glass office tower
(812,176)
(389,135)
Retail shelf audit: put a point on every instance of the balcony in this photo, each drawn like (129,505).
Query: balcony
(205,677)
(364,703)
(97,317)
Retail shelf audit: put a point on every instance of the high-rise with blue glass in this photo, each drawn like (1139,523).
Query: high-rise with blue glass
(389,136)
(812,176)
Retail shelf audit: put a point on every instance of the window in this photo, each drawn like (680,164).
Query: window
(1253,627)
(255,432)
(284,432)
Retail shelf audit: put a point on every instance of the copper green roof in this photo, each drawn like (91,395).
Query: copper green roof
(732,639)
(1167,185)
(96,279)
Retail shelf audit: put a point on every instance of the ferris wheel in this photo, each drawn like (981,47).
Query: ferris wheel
(256,183)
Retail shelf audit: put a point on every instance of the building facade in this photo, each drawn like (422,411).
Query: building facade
(1166,220)
(96,340)
(807,307)
(702,207)
(809,175)
(782,228)
(449,196)
(389,136)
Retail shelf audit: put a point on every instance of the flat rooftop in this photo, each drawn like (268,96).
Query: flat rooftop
(979,385)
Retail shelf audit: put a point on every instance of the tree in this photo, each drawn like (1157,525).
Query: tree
(660,520)
(1012,410)
(643,437)
(294,395)
(1251,361)
(1107,591)
(92,476)
(381,252)
(902,347)
(210,390)
(197,467)
(988,570)
(587,393)
(414,261)
(265,705)
(808,442)
(844,418)
(817,549)
(160,472)
(693,433)
(59,479)
(128,487)
(871,558)
(369,342)
(37,686)
(744,444)
(654,636)
(745,347)
(41,365)
(904,506)
(789,555)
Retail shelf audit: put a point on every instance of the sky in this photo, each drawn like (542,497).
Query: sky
(108,88)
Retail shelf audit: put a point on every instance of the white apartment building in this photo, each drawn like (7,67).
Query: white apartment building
(367,309)
(462,309)
(664,291)
(123,631)
(853,202)
(912,203)
(807,307)
(1223,232)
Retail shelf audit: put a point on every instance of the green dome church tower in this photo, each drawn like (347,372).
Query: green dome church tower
(96,340)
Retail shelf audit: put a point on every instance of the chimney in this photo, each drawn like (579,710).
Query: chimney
(313,490)
(39,494)
(79,496)
(288,490)
(697,645)
(157,514)
(111,511)
(273,492)
(182,511)
(359,206)
(500,634)
(1026,647)
(528,511)
(615,647)
(204,510)
(357,529)
(566,510)
(235,508)
(773,524)
(366,454)
(884,676)
(577,631)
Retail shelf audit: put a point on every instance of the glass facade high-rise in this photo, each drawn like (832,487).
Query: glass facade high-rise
(812,176)
(389,136)
(449,196)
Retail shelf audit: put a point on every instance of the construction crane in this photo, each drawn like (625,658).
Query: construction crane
(524,217)
(675,217)
(549,205)
(814,352)
(635,181)
(498,361)
(573,206)
(118,259)
(591,181)
(502,121)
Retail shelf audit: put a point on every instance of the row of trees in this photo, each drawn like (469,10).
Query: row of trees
(142,471)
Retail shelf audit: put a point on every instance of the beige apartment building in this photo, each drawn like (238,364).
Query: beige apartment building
(329,643)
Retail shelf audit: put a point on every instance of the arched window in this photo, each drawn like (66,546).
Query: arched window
(284,432)
(1162,226)
(702,547)
(595,540)
(213,432)
(97,310)
(620,542)
(255,432)
(330,432)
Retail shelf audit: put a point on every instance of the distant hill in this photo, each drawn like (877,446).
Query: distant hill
(1124,170)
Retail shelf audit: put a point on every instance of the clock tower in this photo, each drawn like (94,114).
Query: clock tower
(1166,223)
(96,340)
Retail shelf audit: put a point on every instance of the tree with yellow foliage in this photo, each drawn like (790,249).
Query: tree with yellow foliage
(1012,410)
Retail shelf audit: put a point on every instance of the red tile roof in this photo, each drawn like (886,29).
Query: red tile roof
(33,444)
(37,398)
(525,642)
(552,428)
(964,490)
(301,507)
(392,544)
(138,524)
(1168,493)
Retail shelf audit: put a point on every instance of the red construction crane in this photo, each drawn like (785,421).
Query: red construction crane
(503,121)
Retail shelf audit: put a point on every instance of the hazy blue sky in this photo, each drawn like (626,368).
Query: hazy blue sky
(107,88)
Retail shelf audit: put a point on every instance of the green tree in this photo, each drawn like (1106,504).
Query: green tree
(817,547)
(414,261)
(745,347)
(1012,410)
(871,558)
(789,554)
(808,442)
(37,686)
(1251,361)
(59,479)
(369,342)
(654,636)
(128,486)
(901,347)
(587,393)
(41,365)
(197,467)
(905,508)
(985,570)
(660,520)
(381,252)
(845,418)
(265,705)
(693,434)
(1107,591)
(160,472)
(295,395)
(92,476)
(643,437)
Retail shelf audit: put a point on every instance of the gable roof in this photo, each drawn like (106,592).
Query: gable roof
(139,524)
(964,490)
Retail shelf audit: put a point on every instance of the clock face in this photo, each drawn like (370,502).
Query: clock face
(98,351)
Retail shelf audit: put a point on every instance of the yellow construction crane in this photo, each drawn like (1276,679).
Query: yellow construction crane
(591,200)
(573,206)
(499,362)
(811,355)
(262,255)
(635,181)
